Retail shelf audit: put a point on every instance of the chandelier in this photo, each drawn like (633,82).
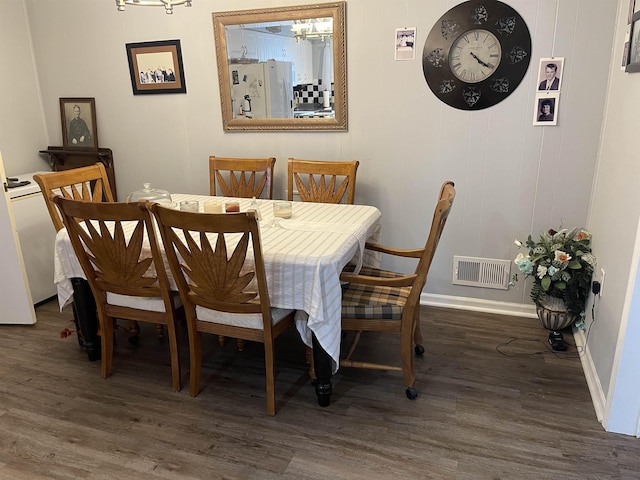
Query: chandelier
(312,28)
(167,4)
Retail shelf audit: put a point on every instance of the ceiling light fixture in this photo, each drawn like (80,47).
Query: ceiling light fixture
(312,28)
(167,4)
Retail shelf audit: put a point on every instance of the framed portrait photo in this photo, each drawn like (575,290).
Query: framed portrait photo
(79,128)
(156,67)
(633,64)
(550,74)
(546,108)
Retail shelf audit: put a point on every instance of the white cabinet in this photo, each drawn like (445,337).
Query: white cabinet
(242,43)
(302,54)
(37,237)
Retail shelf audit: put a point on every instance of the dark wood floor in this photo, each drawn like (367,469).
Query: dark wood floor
(488,409)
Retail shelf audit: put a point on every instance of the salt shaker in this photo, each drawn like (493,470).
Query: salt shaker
(254,206)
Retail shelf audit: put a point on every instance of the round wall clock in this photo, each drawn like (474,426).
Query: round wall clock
(476,54)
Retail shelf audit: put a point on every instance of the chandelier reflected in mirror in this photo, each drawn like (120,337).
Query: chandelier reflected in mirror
(167,4)
(312,28)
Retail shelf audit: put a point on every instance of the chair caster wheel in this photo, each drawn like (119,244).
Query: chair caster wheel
(412,393)
(134,339)
(419,349)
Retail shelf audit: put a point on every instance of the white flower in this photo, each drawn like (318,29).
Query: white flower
(562,256)
(518,243)
(541,272)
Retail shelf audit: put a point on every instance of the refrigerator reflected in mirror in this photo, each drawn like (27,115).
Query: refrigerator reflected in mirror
(263,90)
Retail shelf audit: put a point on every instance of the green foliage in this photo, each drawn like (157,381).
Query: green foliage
(561,264)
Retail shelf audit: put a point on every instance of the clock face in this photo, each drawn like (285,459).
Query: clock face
(476,54)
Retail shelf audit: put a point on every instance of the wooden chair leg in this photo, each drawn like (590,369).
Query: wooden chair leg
(195,354)
(308,358)
(406,337)
(160,330)
(222,340)
(269,364)
(240,343)
(175,359)
(106,340)
(417,337)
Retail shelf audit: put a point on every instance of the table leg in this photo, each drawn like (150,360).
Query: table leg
(322,366)
(84,309)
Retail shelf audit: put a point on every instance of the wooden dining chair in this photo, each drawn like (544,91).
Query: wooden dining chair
(385,301)
(89,184)
(127,280)
(241,177)
(216,261)
(322,181)
(85,183)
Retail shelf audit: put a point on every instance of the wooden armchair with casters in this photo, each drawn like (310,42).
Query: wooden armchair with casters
(322,181)
(380,300)
(241,177)
(223,286)
(127,280)
(85,183)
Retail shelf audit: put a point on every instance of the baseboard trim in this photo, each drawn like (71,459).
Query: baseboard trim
(597,394)
(529,311)
(478,305)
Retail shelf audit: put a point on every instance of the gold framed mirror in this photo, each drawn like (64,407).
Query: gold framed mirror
(282,68)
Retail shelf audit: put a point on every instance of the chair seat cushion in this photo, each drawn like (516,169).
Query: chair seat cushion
(152,304)
(253,320)
(374,302)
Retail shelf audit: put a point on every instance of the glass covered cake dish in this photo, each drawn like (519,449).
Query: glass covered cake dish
(151,194)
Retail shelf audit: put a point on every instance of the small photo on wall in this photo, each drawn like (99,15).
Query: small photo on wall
(550,74)
(546,109)
(405,43)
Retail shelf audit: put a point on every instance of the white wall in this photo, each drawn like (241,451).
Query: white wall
(512,178)
(613,219)
(22,130)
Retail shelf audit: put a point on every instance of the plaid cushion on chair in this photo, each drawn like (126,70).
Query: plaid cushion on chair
(375,302)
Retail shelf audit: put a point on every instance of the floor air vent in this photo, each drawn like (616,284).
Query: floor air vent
(481,272)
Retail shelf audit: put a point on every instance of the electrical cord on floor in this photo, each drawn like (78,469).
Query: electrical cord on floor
(578,353)
(547,349)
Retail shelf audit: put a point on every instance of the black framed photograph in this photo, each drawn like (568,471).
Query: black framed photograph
(156,67)
(79,127)
(633,65)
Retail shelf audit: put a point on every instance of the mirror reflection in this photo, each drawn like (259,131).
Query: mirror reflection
(282,68)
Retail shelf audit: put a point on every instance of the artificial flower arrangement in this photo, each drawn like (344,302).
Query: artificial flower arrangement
(561,264)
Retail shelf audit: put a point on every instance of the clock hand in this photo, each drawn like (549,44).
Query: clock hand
(479,61)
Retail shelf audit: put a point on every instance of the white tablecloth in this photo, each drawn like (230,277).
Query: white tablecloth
(303,256)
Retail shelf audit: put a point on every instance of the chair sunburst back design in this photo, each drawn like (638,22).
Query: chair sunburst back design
(322,181)
(85,183)
(241,177)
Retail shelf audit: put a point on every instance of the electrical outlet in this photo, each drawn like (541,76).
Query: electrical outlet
(601,281)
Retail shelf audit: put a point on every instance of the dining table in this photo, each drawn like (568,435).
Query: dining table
(303,255)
